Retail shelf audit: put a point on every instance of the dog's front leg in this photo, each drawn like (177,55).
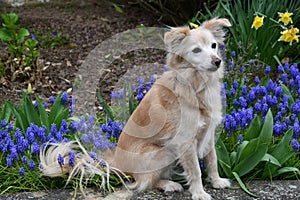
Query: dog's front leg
(210,161)
(190,164)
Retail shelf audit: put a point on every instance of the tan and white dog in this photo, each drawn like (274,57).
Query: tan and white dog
(175,122)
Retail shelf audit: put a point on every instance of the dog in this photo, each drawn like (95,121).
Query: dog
(175,122)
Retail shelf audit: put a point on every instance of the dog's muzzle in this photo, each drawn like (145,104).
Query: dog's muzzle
(216,61)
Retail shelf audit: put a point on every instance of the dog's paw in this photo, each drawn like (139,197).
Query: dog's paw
(220,183)
(172,186)
(201,196)
(169,186)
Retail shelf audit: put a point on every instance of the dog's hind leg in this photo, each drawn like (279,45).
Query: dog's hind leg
(192,172)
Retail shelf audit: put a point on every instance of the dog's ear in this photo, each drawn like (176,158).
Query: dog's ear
(175,36)
(215,25)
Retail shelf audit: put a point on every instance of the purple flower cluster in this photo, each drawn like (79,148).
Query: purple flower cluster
(99,136)
(22,149)
(143,88)
(245,101)
(15,147)
(117,97)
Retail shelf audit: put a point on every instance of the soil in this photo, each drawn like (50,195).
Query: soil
(88,23)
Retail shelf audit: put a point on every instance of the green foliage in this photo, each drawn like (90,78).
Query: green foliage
(12,182)
(118,8)
(13,35)
(256,155)
(52,39)
(122,108)
(33,53)
(22,53)
(26,113)
(260,44)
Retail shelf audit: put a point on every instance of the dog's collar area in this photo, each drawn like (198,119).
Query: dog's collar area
(183,81)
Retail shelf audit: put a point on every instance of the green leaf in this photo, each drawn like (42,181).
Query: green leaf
(265,136)
(243,186)
(6,112)
(287,92)
(248,163)
(30,111)
(287,170)
(256,149)
(118,8)
(233,156)
(271,159)
(43,114)
(21,34)
(280,152)
(105,106)
(132,104)
(254,130)
(10,19)
(241,148)
(62,115)
(21,120)
(57,107)
(223,157)
(5,35)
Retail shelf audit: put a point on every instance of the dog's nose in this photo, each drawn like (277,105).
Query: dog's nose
(216,61)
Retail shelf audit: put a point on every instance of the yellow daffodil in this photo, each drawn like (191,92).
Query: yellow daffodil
(285,17)
(289,35)
(194,25)
(258,22)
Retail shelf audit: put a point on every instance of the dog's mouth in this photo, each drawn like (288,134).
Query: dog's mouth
(212,69)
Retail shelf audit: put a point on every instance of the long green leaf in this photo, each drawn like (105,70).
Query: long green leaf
(280,152)
(223,157)
(241,149)
(63,114)
(254,130)
(105,106)
(57,107)
(6,112)
(243,186)
(21,120)
(287,92)
(43,114)
(30,111)
(248,163)
(265,136)
(132,104)
(271,159)
(256,149)
(287,170)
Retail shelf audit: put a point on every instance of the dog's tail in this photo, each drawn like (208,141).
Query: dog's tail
(56,160)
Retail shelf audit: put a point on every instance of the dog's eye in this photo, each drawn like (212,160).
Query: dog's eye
(214,45)
(196,50)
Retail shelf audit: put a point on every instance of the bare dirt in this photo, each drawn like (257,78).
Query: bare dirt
(87,24)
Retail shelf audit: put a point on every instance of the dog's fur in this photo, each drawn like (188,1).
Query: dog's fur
(176,120)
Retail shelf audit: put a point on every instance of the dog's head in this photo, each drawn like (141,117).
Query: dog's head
(199,47)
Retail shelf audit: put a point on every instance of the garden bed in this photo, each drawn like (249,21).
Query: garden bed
(87,24)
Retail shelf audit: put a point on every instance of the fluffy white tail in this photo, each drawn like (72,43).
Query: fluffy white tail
(84,165)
